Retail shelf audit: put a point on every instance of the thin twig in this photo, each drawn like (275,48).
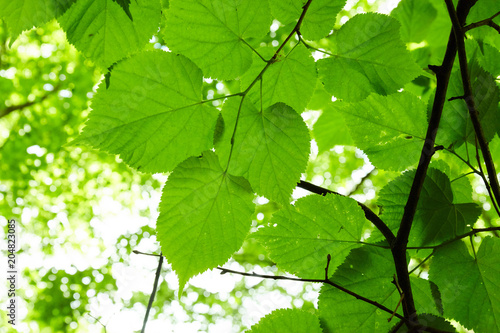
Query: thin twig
(153,293)
(422,262)
(488,21)
(369,214)
(104,326)
(327,281)
(146,254)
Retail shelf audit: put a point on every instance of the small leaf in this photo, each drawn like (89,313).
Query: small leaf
(205,214)
(300,238)
(214,34)
(469,286)
(425,301)
(368,56)
(287,320)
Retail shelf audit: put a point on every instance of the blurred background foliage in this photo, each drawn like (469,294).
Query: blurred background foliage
(81,212)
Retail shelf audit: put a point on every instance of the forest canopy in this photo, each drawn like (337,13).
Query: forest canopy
(269,166)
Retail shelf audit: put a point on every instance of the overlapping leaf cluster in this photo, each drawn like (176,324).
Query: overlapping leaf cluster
(152,113)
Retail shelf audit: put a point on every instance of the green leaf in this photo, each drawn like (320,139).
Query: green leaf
(205,214)
(368,56)
(331,129)
(462,189)
(389,129)
(416,17)
(425,302)
(438,39)
(152,113)
(318,21)
(291,80)
(287,320)
(456,127)
(20,15)
(469,286)
(486,9)
(103,32)
(300,238)
(429,320)
(271,148)
(215,33)
(438,218)
(367,271)
(320,98)
(125,4)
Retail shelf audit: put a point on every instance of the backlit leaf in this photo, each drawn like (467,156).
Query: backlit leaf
(103,32)
(20,15)
(151,114)
(367,271)
(271,148)
(300,238)
(416,17)
(389,129)
(469,286)
(367,56)
(215,34)
(287,320)
(204,216)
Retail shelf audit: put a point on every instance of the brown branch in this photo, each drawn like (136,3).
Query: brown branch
(153,293)
(10,109)
(399,249)
(327,281)
(469,100)
(333,284)
(488,22)
(369,214)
